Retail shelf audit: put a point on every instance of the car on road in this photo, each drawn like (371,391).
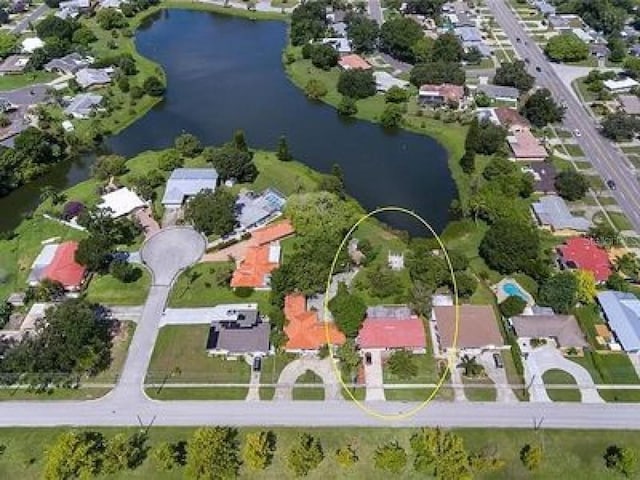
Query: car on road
(538,69)
(611,184)
(527,61)
(577,133)
(367,358)
(257,364)
(518,39)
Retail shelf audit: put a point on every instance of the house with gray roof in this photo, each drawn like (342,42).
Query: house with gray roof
(552,211)
(563,329)
(622,312)
(254,209)
(14,64)
(544,8)
(40,264)
(187,182)
(470,37)
(82,105)
(384,81)
(93,77)
(500,92)
(241,331)
(69,64)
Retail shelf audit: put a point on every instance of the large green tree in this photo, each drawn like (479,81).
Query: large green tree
(447,48)
(390,457)
(305,455)
(510,246)
(559,292)
(356,83)
(348,310)
(440,454)
(437,72)
(514,74)
(212,453)
(233,163)
(258,449)
(363,33)
(74,455)
(571,185)
(541,109)
(212,212)
(398,36)
(308,22)
(566,47)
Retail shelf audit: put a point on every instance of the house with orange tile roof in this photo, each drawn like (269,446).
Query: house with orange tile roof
(304,330)
(261,257)
(57,263)
(353,62)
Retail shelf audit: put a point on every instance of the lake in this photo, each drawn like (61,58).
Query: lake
(225,73)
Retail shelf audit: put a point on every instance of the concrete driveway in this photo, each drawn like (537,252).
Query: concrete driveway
(373,377)
(322,368)
(498,376)
(548,357)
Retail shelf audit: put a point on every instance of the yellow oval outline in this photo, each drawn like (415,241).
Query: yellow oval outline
(360,404)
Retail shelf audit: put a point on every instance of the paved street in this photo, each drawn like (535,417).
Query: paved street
(375,11)
(31,18)
(605,157)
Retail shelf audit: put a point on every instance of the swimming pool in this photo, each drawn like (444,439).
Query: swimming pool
(513,289)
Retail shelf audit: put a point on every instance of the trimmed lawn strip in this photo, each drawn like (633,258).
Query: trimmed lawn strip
(308,393)
(620,221)
(560,377)
(480,394)
(12,82)
(107,290)
(427,370)
(359,393)
(119,351)
(179,356)
(575,151)
(266,393)
(82,393)
(417,394)
(210,393)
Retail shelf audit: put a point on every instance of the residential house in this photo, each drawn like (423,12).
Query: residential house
(620,85)
(384,81)
(111,3)
(121,202)
(395,261)
(353,62)
(72,8)
(477,329)
(526,147)
(585,254)
(237,331)
(305,332)
(18,6)
(6,105)
(14,64)
(187,182)
(499,93)
(511,119)
(552,212)
(470,37)
(622,312)
(392,328)
(630,104)
(544,177)
(29,45)
(599,50)
(583,35)
(545,8)
(635,50)
(562,329)
(261,257)
(254,209)
(57,262)
(83,105)
(93,77)
(445,93)
(340,45)
(69,64)
(559,23)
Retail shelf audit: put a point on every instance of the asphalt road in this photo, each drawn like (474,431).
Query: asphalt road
(603,155)
(31,18)
(375,11)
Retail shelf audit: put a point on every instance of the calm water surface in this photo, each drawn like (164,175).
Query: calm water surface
(225,73)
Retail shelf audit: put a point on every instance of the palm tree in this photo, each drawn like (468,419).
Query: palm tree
(471,366)
(51,193)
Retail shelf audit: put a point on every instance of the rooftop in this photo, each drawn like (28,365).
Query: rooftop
(121,202)
(446,90)
(255,268)
(509,117)
(622,310)
(552,210)
(397,331)
(88,77)
(303,328)
(477,326)
(64,268)
(83,104)
(252,208)
(621,84)
(354,62)
(586,254)
(544,176)
(187,182)
(564,328)
(272,232)
(525,146)
(630,104)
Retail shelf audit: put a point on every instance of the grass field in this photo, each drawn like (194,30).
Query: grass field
(574,150)
(567,453)
(417,394)
(560,377)
(308,393)
(479,394)
(620,221)
(611,368)
(427,371)
(107,290)
(11,82)
(196,287)
(222,393)
(180,357)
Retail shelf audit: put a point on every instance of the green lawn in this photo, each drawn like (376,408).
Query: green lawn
(222,393)
(560,377)
(479,394)
(267,393)
(288,178)
(11,82)
(611,368)
(272,366)
(620,221)
(358,392)
(308,393)
(427,371)
(82,393)
(588,316)
(107,290)
(574,150)
(119,351)
(197,287)
(417,394)
(179,356)
(567,453)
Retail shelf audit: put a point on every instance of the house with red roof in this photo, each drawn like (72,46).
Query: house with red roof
(392,328)
(353,62)
(262,256)
(585,254)
(304,330)
(58,263)
(443,94)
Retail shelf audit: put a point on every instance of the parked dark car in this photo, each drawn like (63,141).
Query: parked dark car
(367,358)
(611,184)
(497,359)
(257,364)
(538,69)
